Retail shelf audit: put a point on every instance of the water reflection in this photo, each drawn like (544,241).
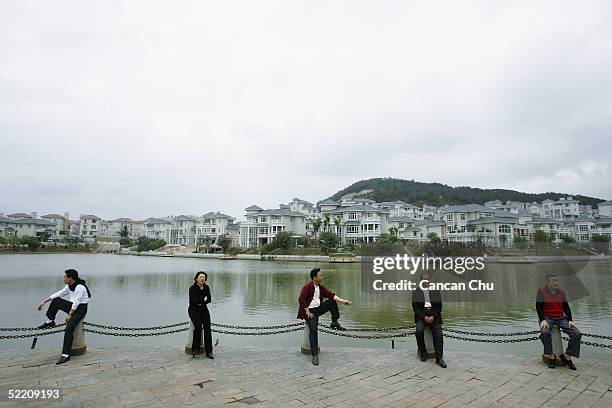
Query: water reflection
(143,291)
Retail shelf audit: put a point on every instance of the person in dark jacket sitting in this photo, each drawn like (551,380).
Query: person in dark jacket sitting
(427,307)
(552,308)
(199,297)
(312,304)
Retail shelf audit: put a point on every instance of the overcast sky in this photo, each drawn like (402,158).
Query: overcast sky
(143,108)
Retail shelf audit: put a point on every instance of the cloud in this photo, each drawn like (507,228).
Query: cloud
(142,108)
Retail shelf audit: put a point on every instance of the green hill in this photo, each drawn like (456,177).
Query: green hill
(414,192)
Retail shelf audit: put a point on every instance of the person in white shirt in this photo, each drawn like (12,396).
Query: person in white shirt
(79,295)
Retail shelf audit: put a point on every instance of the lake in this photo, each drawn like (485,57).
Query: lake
(150,291)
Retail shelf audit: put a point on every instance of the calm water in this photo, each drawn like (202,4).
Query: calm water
(148,291)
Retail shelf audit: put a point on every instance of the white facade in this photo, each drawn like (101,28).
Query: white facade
(605,209)
(26,227)
(157,228)
(211,226)
(89,226)
(261,225)
(563,209)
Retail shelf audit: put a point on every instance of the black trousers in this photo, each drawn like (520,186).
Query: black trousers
(436,331)
(313,324)
(201,319)
(58,304)
(573,345)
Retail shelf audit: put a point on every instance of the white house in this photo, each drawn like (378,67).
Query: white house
(183,230)
(89,226)
(60,222)
(562,209)
(261,226)
(401,209)
(157,228)
(26,227)
(605,209)
(358,223)
(211,226)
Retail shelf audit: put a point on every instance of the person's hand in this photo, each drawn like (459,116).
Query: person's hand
(205,298)
(347,302)
(572,325)
(429,319)
(68,318)
(543,325)
(40,305)
(309,314)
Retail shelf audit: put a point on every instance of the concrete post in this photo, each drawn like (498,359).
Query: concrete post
(190,338)
(78,344)
(557,343)
(306,344)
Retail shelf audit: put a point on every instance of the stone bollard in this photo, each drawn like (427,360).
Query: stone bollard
(557,343)
(306,345)
(190,339)
(78,343)
(428,342)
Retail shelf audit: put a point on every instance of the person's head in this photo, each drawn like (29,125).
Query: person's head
(70,276)
(200,278)
(316,275)
(552,281)
(425,277)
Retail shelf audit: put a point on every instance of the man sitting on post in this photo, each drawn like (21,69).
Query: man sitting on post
(311,307)
(76,308)
(552,308)
(427,307)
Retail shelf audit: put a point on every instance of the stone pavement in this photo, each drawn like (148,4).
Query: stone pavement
(282,377)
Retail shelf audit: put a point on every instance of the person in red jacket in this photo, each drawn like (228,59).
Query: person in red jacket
(314,301)
(552,308)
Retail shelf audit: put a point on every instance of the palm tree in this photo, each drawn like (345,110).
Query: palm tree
(326,222)
(316,224)
(338,223)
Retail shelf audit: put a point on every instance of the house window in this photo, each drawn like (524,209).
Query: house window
(462,217)
(504,229)
(583,228)
(352,229)
(352,216)
(263,219)
(449,217)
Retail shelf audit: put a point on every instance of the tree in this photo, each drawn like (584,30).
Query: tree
(328,241)
(393,231)
(31,242)
(149,244)
(600,238)
(316,224)
(433,238)
(541,236)
(568,239)
(282,240)
(337,223)
(225,242)
(326,222)
(520,242)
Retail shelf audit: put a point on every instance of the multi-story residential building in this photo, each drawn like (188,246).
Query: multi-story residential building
(605,209)
(580,229)
(563,209)
(357,223)
(261,226)
(232,231)
(457,217)
(27,227)
(534,209)
(419,230)
(401,209)
(497,230)
(20,216)
(586,211)
(211,226)
(157,228)
(89,226)
(548,225)
(60,221)
(183,230)
(429,212)
(113,228)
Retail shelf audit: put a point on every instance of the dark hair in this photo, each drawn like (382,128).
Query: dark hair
(550,275)
(72,273)
(195,278)
(313,273)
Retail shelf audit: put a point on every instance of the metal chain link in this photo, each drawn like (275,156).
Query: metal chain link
(360,336)
(28,328)
(24,336)
(492,340)
(490,334)
(101,326)
(136,334)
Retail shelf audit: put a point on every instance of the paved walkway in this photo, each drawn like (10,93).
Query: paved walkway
(277,377)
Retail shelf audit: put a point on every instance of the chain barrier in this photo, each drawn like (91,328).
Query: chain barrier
(289,328)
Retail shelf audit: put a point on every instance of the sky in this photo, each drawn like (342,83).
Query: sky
(150,108)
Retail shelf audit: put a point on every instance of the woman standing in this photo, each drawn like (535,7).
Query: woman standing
(199,297)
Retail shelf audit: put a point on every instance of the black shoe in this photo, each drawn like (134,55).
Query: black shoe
(440,362)
(568,363)
(336,326)
(210,356)
(62,360)
(423,356)
(46,325)
(315,360)
(551,362)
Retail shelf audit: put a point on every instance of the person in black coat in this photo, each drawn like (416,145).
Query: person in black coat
(199,297)
(427,306)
